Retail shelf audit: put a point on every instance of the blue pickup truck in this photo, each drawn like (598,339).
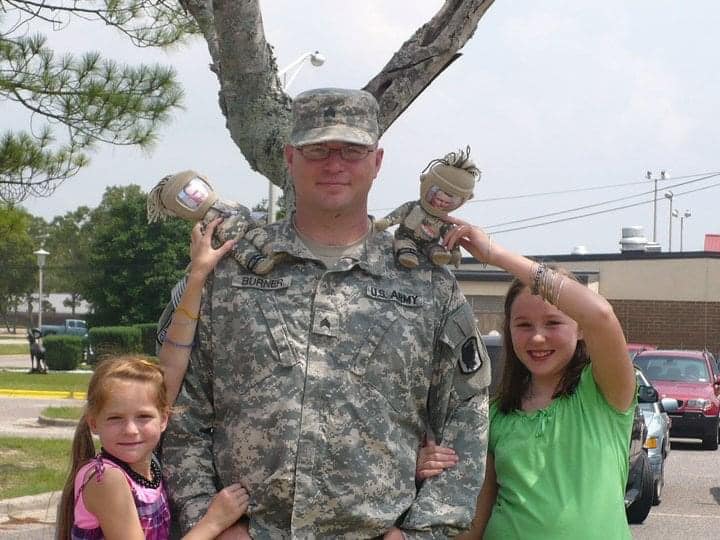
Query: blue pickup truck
(71,327)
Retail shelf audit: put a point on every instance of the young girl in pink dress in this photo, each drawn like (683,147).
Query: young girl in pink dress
(118,493)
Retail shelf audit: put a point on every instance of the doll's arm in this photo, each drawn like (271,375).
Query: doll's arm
(395,217)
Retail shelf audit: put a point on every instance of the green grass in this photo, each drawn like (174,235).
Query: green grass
(64,413)
(15,348)
(32,466)
(76,382)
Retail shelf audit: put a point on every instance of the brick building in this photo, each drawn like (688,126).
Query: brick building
(668,299)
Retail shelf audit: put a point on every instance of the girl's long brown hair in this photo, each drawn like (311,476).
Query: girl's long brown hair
(126,368)
(515,380)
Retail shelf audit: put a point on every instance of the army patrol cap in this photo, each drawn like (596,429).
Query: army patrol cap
(335,114)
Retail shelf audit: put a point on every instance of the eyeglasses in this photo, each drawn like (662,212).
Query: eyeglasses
(317,152)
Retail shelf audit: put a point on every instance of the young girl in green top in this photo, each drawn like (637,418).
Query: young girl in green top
(560,427)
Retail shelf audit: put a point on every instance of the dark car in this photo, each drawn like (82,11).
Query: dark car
(692,379)
(639,490)
(494,344)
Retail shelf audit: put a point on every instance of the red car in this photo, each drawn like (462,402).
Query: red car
(692,378)
(634,348)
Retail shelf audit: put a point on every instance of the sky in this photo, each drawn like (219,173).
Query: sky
(566,106)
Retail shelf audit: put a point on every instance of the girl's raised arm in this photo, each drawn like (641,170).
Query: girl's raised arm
(596,319)
(175,351)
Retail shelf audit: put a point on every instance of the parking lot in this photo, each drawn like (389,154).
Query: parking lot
(690,508)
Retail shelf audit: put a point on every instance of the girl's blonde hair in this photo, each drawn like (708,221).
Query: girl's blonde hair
(107,372)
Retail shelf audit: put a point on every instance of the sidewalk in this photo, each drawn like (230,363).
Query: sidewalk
(32,516)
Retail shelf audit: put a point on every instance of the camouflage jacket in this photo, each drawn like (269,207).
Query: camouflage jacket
(314,387)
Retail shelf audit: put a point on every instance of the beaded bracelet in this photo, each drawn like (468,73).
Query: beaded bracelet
(489,251)
(536,279)
(187,313)
(179,345)
(556,297)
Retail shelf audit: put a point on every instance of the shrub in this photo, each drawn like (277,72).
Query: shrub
(63,353)
(148,334)
(114,341)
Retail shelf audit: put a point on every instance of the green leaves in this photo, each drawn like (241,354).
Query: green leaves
(134,264)
(17,262)
(77,103)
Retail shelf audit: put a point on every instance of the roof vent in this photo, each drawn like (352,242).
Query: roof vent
(580,250)
(633,239)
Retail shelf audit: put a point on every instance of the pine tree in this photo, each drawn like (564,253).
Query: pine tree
(77,103)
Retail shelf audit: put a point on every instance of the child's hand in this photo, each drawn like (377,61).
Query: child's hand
(228,506)
(203,256)
(470,237)
(433,459)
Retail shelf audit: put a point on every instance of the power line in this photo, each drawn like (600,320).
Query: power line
(606,211)
(602,203)
(572,190)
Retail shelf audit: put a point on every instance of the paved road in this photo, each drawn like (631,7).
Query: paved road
(19,418)
(15,361)
(690,509)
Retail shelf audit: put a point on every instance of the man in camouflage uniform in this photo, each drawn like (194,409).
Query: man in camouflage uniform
(315,384)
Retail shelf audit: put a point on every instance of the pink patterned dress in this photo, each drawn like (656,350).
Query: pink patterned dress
(150,500)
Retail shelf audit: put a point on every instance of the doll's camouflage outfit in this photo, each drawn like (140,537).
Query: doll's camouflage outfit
(190,195)
(421,226)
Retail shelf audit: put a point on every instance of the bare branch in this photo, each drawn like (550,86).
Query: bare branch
(432,48)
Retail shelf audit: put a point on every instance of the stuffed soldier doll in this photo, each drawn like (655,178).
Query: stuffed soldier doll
(445,185)
(190,195)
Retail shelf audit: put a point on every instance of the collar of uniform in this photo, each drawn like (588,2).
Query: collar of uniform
(373,259)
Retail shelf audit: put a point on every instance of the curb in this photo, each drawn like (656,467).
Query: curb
(21,506)
(49,394)
(58,422)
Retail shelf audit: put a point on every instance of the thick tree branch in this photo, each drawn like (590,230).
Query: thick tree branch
(432,48)
(256,107)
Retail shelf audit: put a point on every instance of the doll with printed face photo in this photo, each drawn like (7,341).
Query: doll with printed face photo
(445,185)
(190,195)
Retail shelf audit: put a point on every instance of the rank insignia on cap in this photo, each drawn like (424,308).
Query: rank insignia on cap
(470,360)
(330,112)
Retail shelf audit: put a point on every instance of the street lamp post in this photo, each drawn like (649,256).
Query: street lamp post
(40,254)
(686,214)
(669,195)
(287,76)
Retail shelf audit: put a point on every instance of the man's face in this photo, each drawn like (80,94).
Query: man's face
(332,184)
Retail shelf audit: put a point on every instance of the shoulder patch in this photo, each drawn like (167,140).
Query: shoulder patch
(257,282)
(390,295)
(470,360)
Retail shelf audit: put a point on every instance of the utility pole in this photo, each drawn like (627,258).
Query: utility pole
(669,195)
(655,181)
